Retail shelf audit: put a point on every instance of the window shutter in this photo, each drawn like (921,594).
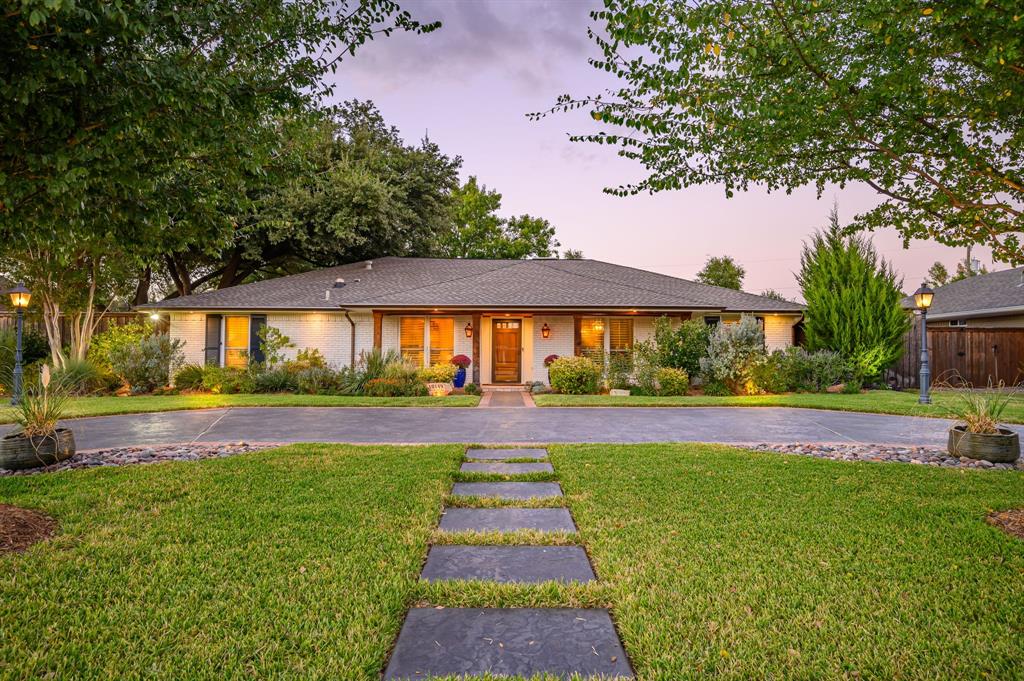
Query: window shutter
(256,322)
(212,350)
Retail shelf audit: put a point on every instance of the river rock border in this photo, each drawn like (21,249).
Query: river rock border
(921,455)
(143,454)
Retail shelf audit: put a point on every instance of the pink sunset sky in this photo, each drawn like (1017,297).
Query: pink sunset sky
(470,84)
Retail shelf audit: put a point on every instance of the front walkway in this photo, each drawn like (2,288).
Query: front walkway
(507,425)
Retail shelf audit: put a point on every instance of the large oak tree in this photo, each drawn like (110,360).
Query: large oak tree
(922,101)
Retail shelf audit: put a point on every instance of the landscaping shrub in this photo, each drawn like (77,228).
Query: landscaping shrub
(438,373)
(733,354)
(226,380)
(84,377)
(277,380)
(619,367)
(189,377)
(824,369)
(472,389)
(683,346)
(148,364)
(574,375)
(112,342)
(273,343)
(716,389)
(319,381)
(782,371)
(672,381)
(394,387)
(371,365)
(34,348)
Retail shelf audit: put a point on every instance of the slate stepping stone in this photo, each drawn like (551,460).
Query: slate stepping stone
(507,490)
(508,564)
(499,454)
(506,468)
(507,520)
(510,642)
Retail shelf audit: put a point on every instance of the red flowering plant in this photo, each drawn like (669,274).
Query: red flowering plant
(461,361)
(549,360)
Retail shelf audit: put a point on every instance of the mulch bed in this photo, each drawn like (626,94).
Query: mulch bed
(20,528)
(1011,522)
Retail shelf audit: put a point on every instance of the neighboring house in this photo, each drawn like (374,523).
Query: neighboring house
(994,300)
(507,315)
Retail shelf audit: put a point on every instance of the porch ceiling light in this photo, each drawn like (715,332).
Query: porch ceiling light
(923,297)
(545,331)
(469,330)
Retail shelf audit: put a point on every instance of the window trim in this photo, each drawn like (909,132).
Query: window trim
(429,348)
(424,341)
(958,323)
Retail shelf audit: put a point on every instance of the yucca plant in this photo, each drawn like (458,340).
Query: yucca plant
(42,405)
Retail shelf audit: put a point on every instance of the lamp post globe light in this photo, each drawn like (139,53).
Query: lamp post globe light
(922,301)
(20,297)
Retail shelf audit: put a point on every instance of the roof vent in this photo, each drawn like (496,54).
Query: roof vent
(339,283)
(368,265)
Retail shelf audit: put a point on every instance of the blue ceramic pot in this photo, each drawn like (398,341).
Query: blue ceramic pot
(460,377)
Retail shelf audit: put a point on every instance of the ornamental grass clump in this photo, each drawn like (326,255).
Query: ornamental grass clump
(980,410)
(42,405)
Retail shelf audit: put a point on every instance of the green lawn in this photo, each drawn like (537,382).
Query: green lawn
(875,401)
(105,406)
(300,562)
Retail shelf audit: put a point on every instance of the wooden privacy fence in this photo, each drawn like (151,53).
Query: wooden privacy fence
(962,354)
(34,323)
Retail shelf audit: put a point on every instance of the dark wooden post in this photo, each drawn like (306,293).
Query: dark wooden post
(476,349)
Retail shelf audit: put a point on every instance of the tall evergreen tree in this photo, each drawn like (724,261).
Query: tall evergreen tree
(853,300)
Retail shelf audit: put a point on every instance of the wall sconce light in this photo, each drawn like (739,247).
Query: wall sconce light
(469,330)
(155,317)
(545,331)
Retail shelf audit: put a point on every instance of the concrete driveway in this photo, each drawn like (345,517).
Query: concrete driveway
(498,425)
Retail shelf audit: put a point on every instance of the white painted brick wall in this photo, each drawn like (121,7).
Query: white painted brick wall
(190,328)
(643,329)
(778,331)
(560,342)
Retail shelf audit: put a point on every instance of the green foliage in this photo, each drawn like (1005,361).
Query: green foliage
(774,295)
(279,380)
(317,380)
(938,275)
(478,232)
(273,343)
(438,373)
(647,361)
(723,271)
(854,301)
(115,339)
(148,364)
(43,403)
(734,352)
(33,349)
(472,389)
(572,254)
(682,346)
(226,380)
(716,389)
(619,370)
(394,387)
(189,377)
(672,382)
(965,270)
(920,102)
(85,377)
(795,369)
(574,375)
(981,410)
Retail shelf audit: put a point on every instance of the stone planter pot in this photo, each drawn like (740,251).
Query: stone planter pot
(18,452)
(1001,447)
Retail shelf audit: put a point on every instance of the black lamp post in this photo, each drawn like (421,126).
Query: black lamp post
(923,300)
(19,299)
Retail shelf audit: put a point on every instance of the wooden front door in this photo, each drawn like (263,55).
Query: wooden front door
(506,336)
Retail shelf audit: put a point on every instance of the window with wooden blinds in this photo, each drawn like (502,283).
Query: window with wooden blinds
(442,340)
(236,342)
(591,340)
(620,336)
(411,339)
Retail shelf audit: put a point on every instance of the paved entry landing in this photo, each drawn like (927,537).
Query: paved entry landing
(562,642)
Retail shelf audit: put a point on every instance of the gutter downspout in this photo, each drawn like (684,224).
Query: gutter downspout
(352,351)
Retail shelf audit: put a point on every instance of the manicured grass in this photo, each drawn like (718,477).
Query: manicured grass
(105,406)
(874,401)
(298,562)
(731,564)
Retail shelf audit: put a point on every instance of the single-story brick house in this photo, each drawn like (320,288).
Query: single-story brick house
(507,315)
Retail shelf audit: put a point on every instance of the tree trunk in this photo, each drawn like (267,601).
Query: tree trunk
(227,278)
(142,289)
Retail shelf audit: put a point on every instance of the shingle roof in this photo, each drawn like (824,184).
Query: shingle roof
(445,283)
(980,294)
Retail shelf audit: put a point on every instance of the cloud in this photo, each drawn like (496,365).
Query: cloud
(521,42)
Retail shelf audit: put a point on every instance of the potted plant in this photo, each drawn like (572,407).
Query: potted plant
(979,435)
(548,361)
(462,362)
(38,441)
